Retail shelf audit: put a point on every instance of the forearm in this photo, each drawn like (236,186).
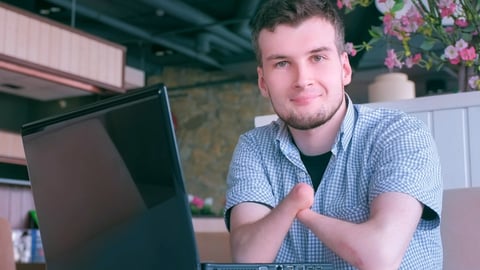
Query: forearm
(355,243)
(260,241)
(257,232)
(378,243)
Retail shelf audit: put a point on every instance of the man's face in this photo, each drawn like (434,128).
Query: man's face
(302,73)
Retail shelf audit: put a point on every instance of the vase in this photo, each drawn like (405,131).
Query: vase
(464,74)
(391,86)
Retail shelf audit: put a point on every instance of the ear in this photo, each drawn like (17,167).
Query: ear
(261,82)
(346,68)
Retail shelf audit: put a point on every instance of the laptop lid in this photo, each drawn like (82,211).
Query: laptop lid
(108,186)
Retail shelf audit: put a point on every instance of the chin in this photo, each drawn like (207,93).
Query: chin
(304,124)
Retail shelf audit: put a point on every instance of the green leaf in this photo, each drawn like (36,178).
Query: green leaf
(440,66)
(374,40)
(427,45)
(399,4)
(376,32)
(467,37)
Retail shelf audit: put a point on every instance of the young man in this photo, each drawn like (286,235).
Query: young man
(329,181)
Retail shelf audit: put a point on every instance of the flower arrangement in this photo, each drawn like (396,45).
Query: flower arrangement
(200,206)
(426,33)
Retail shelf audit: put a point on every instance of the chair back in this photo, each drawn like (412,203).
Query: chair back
(460,227)
(7,261)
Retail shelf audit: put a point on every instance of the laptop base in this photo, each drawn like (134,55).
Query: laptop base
(266,266)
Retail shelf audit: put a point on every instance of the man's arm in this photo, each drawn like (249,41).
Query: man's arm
(257,232)
(378,243)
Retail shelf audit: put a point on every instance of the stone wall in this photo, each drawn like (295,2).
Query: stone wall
(211,111)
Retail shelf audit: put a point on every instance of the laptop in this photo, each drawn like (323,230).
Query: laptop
(109,191)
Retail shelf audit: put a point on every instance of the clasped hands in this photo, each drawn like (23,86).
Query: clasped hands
(300,199)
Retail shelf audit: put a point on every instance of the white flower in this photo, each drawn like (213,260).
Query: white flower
(474,82)
(451,52)
(461,44)
(208,201)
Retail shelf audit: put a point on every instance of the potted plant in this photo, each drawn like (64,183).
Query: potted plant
(201,206)
(431,34)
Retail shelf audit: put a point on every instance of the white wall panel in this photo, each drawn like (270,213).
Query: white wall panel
(474,138)
(425,117)
(15,203)
(449,129)
(4,201)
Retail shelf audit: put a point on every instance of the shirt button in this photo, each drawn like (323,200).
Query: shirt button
(301,175)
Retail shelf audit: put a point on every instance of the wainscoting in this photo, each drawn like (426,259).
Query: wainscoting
(15,202)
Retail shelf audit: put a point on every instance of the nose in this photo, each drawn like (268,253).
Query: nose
(303,76)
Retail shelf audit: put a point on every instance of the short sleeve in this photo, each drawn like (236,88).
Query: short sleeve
(247,180)
(408,162)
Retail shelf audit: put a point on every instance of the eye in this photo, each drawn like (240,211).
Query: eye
(281,64)
(318,58)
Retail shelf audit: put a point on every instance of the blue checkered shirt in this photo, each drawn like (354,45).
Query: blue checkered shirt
(376,151)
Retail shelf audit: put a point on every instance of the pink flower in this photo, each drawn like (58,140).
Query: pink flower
(391,60)
(411,21)
(461,22)
(388,24)
(447,8)
(449,29)
(344,3)
(413,60)
(439,23)
(197,202)
(454,61)
(339,4)
(468,54)
(350,49)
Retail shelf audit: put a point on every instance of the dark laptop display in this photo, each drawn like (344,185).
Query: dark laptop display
(108,188)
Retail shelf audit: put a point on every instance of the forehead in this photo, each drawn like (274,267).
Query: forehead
(314,32)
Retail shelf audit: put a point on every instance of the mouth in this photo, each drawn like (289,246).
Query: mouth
(305,99)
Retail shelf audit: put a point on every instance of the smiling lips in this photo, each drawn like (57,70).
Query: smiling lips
(304,99)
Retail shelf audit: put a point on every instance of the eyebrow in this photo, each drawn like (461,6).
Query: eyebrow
(316,50)
(275,57)
(321,49)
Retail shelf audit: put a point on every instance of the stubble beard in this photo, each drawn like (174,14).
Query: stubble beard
(307,122)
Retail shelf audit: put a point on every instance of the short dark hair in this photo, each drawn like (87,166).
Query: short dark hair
(272,13)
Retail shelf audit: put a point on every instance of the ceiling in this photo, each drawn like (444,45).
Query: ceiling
(206,34)
(211,34)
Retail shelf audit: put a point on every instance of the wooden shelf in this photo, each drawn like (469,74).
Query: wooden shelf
(11,148)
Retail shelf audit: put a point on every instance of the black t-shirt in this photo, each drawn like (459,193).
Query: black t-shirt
(316,166)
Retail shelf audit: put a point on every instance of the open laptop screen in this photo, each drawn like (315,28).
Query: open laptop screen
(108,186)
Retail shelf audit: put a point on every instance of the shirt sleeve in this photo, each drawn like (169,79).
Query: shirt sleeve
(247,180)
(407,161)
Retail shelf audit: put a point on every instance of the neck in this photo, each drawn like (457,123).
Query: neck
(319,140)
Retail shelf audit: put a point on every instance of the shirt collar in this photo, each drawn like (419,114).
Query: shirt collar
(344,135)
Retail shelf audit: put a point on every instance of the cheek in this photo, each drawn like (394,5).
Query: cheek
(279,79)
(272,86)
